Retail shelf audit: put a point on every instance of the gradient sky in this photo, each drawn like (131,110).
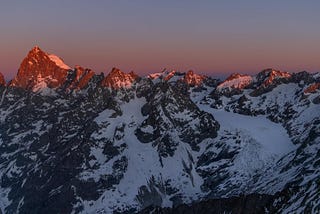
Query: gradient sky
(211,37)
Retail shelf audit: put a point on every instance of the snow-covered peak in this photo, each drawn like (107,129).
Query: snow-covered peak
(36,54)
(59,62)
(38,63)
(236,80)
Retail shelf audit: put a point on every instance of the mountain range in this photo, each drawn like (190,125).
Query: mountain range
(73,141)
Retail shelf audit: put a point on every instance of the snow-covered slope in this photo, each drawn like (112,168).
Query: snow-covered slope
(158,141)
(59,62)
(235,81)
(293,180)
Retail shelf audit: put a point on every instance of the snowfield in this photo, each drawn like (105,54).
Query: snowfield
(272,137)
(165,140)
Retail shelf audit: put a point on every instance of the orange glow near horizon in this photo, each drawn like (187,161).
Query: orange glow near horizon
(210,61)
(213,38)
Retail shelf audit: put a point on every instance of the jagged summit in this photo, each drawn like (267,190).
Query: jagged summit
(165,75)
(2,80)
(39,70)
(267,76)
(237,81)
(79,77)
(36,49)
(234,76)
(193,79)
(190,77)
(157,142)
(117,79)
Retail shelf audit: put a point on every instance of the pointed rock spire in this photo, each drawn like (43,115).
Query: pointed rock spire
(36,49)
(41,68)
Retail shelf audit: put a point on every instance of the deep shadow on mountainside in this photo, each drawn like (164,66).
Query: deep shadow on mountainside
(248,204)
(72,141)
(243,204)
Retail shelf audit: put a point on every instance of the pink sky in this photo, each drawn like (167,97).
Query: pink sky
(211,38)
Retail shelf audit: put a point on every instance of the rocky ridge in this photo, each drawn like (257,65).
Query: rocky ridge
(172,139)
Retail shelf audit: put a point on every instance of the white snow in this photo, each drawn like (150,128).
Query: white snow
(316,75)
(263,144)
(39,86)
(42,87)
(4,200)
(239,82)
(143,163)
(59,62)
(3,96)
(272,137)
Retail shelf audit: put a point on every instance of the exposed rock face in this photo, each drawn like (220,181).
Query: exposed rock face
(302,77)
(117,79)
(268,79)
(79,78)
(2,80)
(169,75)
(250,204)
(312,88)
(108,147)
(193,79)
(39,70)
(286,102)
(236,81)
(165,104)
(165,75)
(270,76)
(189,78)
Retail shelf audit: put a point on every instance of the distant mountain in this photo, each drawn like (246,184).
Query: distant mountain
(190,78)
(39,70)
(73,141)
(235,82)
(117,79)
